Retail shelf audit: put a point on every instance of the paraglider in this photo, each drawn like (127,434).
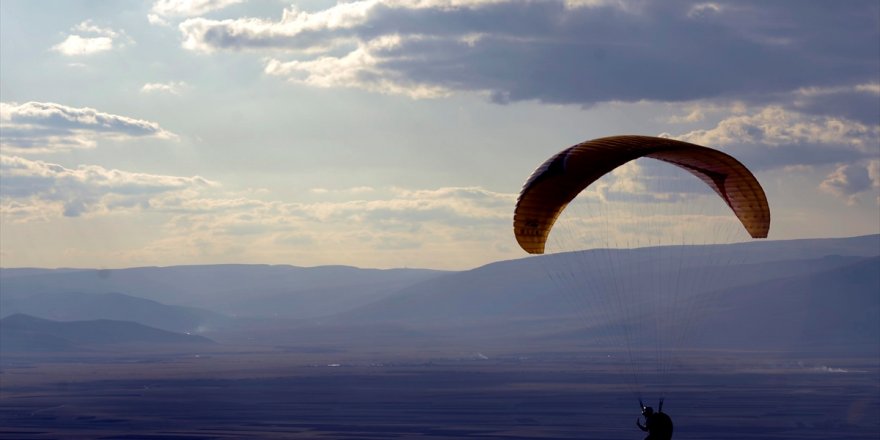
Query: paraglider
(658,425)
(562,177)
(553,186)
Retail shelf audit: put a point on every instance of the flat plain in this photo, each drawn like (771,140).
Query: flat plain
(236,394)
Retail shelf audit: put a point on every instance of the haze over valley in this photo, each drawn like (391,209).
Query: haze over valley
(805,307)
(775,287)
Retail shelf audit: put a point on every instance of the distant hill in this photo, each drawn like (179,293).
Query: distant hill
(836,309)
(26,271)
(21,332)
(817,294)
(531,287)
(745,296)
(79,306)
(237,290)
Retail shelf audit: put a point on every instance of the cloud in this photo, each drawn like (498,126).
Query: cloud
(97,40)
(195,219)
(200,220)
(36,187)
(39,190)
(348,191)
(171,87)
(857,102)
(357,69)
(296,29)
(407,227)
(163,9)
(36,127)
(410,209)
(563,52)
(773,137)
(695,114)
(776,126)
(76,45)
(700,10)
(851,180)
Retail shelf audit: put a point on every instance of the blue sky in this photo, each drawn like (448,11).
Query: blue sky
(398,133)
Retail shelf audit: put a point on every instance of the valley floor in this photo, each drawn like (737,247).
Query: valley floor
(439,396)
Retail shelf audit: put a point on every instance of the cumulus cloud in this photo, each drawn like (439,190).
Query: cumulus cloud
(773,137)
(612,50)
(703,9)
(359,69)
(77,45)
(775,126)
(849,181)
(38,127)
(88,39)
(164,9)
(296,29)
(171,87)
(44,188)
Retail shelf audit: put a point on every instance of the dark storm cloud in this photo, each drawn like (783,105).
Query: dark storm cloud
(590,55)
(857,104)
(547,51)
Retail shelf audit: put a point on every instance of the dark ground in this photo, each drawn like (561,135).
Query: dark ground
(440,396)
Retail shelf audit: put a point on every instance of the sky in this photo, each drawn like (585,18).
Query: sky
(398,133)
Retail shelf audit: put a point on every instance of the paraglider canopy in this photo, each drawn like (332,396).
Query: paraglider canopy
(562,177)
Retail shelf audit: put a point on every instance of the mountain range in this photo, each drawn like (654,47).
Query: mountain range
(20,332)
(814,294)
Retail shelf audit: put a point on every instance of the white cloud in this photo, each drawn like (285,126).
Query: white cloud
(872,88)
(97,39)
(205,35)
(774,125)
(38,127)
(847,180)
(186,8)
(412,208)
(201,221)
(867,88)
(775,138)
(89,27)
(405,227)
(47,188)
(626,5)
(703,9)
(696,114)
(75,45)
(348,191)
(359,68)
(172,87)
(850,181)
(156,20)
